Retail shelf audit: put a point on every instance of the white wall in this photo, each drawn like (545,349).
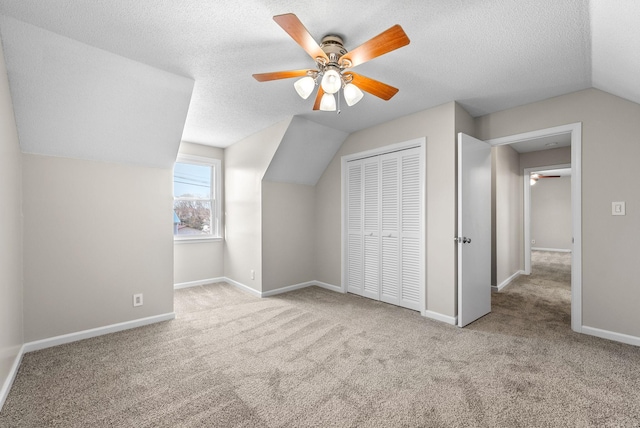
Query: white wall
(507,213)
(288,231)
(11,321)
(610,153)
(439,127)
(559,156)
(245,165)
(199,260)
(94,234)
(551,213)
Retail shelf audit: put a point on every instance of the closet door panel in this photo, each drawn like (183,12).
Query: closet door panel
(410,255)
(389,186)
(355,256)
(371,227)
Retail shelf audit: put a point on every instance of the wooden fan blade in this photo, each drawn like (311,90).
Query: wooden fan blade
(292,25)
(265,77)
(374,87)
(383,43)
(316,105)
(548,176)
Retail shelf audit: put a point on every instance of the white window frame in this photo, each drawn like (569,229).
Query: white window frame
(216,205)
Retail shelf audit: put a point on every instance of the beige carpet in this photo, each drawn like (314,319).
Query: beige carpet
(318,358)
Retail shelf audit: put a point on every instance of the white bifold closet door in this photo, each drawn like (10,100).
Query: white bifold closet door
(383,231)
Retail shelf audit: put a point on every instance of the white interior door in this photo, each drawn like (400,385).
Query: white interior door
(474,229)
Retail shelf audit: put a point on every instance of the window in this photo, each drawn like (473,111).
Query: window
(196,206)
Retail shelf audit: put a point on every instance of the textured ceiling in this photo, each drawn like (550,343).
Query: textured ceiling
(488,55)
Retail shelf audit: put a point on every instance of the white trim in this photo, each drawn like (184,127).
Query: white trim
(196,239)
(99,331)
(243,287)
(287,289)
(611,335)
(326,286)
(527,210)
(576,206)
(533,135)
(13,372)
(409,144)
(557,250)
(507,281)
(440,317)
(198,282)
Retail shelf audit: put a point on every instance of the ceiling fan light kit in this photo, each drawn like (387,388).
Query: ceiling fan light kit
(333,61)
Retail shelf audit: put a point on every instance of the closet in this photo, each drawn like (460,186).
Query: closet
(383,242)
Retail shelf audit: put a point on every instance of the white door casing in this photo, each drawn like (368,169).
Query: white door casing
(474,229)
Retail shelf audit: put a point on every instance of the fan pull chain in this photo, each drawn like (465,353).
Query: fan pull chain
(338,95)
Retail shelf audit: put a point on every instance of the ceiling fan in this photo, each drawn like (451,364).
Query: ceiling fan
(534,177)
(333,65)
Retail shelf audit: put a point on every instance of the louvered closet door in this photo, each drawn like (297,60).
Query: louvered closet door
(371,227)
(383,259)
(409,236)
(354,268)
(390,260)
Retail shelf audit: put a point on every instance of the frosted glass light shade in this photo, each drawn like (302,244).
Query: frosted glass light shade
(352,94)
(331,81)
(328,103)
(305,86)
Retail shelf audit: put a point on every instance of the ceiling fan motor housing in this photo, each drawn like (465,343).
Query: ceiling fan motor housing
(333,46)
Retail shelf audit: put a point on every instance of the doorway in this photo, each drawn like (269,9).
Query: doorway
(574,134)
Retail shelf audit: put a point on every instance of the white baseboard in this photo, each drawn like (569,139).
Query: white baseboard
(6,386)
(243,287)
(302,285)
(507,281)
(287,289)
(198,282)
(611,335)
(331,287)
(440,317)
(557,250)
(86,334)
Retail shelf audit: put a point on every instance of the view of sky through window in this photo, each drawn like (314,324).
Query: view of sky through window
(191,180)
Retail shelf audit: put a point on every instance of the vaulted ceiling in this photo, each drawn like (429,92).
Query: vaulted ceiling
(487,55)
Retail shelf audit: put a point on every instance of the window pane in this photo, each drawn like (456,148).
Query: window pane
(192,218)
(191,181)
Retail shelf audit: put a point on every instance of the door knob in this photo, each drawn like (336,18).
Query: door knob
(466,240)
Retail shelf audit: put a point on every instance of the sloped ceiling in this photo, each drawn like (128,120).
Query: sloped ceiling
(488,55)
(77,101)
(304,152)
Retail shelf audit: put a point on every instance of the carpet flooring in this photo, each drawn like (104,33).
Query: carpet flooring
(316,358)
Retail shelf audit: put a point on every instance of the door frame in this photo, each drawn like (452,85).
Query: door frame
(575,129)
(527,210)
(416,142)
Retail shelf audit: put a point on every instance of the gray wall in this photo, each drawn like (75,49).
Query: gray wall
(610,151)
(95,233)
(551,213)
(245,165)
(199,260)
(11,321)
(439,126)
(288,231)
(507,214)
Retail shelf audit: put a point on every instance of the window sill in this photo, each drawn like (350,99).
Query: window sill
(196,240)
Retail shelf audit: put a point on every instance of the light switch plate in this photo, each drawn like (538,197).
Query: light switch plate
(618,208)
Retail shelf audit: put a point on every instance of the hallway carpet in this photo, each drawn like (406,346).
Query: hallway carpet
(316,358)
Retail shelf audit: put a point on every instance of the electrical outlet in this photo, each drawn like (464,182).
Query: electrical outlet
(137,299)
(618,208)
(253,274)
